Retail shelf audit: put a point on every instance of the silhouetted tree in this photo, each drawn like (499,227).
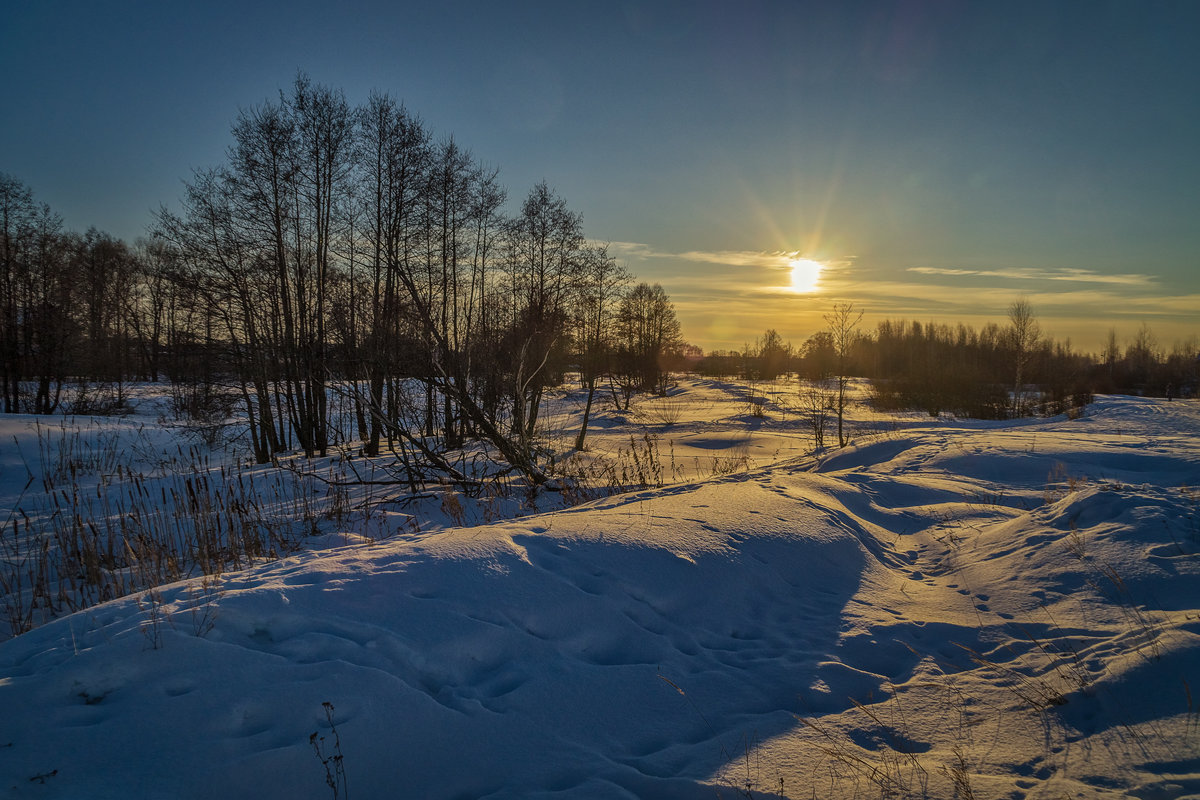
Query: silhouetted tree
(647,332)
(601,283)
(773,355)
(819,356)
(40,336)
(393,156)
(1024,333)
(546,257)
(16,233)
(843,324)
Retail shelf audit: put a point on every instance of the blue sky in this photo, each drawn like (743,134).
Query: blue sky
(942,158)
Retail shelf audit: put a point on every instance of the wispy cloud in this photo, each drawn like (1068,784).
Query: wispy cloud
(741,258)
(1027,274)
(780,259)
(627,249)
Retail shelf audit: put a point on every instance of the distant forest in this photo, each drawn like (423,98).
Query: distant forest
(997,372)
(343,263)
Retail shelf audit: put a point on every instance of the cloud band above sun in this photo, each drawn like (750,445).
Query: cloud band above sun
(781,259)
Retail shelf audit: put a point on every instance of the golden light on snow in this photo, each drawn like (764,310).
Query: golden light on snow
(806,274)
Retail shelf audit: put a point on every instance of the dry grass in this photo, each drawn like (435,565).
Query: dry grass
(101,530)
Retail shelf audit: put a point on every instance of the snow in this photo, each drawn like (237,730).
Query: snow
(945,605)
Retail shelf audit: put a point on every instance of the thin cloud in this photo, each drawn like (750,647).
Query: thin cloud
(735,258)
(740,258)
(628,249)
(1027,274)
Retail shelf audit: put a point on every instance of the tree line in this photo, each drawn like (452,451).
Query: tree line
(340,256)
(999,371)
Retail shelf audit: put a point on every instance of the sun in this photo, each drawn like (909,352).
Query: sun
(806,274)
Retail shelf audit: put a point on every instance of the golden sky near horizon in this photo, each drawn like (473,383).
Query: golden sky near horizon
(727,299)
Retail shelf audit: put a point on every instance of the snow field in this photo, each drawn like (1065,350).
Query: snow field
(1009,609)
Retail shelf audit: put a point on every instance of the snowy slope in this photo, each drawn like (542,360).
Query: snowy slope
(1010,610)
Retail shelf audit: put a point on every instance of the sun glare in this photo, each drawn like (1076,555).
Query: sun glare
(806,273)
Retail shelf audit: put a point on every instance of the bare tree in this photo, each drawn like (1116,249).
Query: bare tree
(816,404)
(16,232)
(105,274)
(1024,332)
(146,307)
(1142,356)
(843,324)
(393,157)
(647,332)
(599,291)
(52,337)
(818,357)
(772,354)
(449,206)
(1112,356)
(321,150)
(226,298)
(545,261)
(39,327)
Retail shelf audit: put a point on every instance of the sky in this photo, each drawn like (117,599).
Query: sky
(940,160)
